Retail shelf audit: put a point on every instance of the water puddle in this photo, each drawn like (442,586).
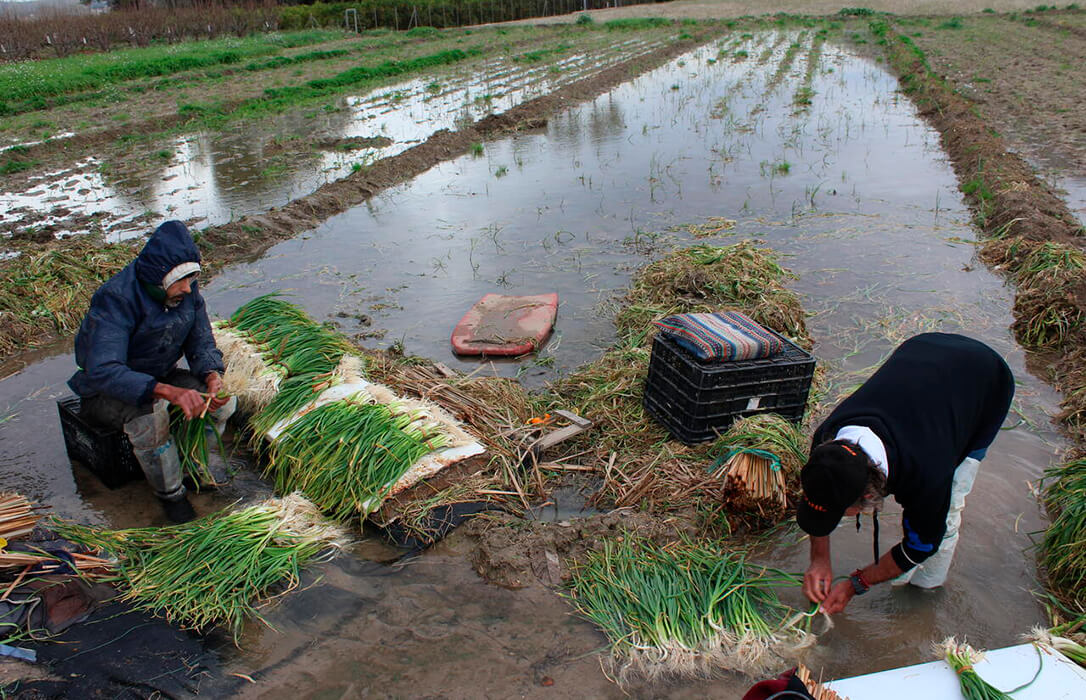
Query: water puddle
(210,179)
(563,504)
(851,189)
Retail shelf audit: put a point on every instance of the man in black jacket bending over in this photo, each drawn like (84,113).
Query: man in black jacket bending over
(916,429)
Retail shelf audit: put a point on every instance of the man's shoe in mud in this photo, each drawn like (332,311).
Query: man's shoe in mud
(179,510)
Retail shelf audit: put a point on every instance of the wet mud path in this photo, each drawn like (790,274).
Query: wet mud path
(853,189)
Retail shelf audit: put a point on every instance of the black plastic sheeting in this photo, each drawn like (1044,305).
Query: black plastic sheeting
(121,653)
(440,521)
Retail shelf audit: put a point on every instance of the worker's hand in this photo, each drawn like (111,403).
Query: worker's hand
(214,387)
(192,403)
(818,579)
(838,598)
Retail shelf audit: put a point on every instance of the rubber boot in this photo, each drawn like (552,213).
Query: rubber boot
(178,510)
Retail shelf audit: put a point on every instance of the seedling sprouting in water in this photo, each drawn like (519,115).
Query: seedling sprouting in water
(476,149)
(502,171)
(803,97)
(781,168)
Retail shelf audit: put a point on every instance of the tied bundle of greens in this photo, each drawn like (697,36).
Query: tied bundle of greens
(252,373)
(961,658)
(686,608)
(347,455)
(190,435)
(217,570)
(1071,648)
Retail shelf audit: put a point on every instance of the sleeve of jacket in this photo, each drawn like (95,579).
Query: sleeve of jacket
(200,350)
(923,530)
(108,327)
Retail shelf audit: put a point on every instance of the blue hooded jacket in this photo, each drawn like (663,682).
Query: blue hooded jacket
(129,340)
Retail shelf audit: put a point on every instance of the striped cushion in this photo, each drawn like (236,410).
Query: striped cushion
(728,335)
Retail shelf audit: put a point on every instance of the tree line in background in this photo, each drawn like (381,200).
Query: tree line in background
(140,22)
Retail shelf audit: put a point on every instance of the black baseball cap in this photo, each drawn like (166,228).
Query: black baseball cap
(833,479)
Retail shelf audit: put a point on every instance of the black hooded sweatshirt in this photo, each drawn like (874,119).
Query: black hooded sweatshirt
(936,399)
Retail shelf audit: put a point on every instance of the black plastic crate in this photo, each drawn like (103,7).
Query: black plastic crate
(692,429)
(682,368)
(697,400)
(107,453)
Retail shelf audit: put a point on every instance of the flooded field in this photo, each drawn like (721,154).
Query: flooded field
(777,136)
(210,178)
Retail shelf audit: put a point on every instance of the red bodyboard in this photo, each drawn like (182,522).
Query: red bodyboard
(505,325)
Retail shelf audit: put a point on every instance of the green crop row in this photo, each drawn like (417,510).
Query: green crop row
(33,82)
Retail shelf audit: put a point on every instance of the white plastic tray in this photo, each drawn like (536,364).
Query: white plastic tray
(1007,668)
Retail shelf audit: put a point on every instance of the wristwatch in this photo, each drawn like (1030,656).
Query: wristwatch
(859,585)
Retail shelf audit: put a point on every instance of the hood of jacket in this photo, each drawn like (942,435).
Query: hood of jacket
(170,245)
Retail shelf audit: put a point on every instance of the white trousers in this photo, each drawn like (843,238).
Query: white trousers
(933,572)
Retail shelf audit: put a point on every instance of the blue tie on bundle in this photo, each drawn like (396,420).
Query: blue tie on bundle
(716,337)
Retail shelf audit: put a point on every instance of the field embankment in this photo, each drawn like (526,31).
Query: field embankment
(1023,73)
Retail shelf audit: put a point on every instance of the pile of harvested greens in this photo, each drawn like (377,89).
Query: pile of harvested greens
(345,449)
(686,609)
(217,570)
(1062,554)
(347,455)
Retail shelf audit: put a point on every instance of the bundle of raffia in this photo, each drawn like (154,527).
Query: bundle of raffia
(17,516)
(814,688)
(758,454)
(758,473)
(48,562)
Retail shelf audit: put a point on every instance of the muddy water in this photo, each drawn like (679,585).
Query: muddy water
(208,179)
(852,190)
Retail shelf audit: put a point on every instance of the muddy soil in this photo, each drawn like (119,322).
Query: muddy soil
(513,552)
(712,9)
(1026,80)
(431,628)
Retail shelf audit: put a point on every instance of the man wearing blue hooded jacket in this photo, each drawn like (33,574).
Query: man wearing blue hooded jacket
(139,325)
